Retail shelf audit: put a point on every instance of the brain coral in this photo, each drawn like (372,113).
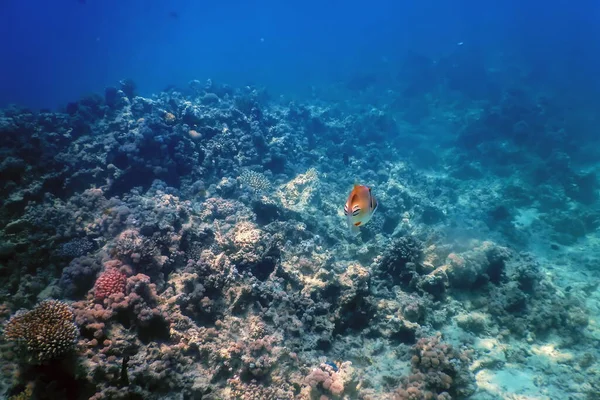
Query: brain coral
(47,332)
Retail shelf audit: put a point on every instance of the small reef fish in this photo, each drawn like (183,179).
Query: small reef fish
(346,159)
(359,208)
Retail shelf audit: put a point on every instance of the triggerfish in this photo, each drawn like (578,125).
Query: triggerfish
(359,208)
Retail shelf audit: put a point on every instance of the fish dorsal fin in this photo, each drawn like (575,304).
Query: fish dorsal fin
(353,192)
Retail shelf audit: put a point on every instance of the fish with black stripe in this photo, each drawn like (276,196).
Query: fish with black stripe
(359,208)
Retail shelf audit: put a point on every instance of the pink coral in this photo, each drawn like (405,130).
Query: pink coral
(330,380)
(111,281)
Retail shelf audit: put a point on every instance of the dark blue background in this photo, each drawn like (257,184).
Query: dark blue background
(55,51)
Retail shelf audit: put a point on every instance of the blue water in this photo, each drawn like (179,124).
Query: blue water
(54,52)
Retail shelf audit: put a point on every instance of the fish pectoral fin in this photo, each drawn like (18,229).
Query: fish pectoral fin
(357,223)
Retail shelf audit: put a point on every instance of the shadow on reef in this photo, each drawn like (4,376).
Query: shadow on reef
(56,380)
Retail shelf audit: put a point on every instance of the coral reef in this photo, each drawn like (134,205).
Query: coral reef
(192,245)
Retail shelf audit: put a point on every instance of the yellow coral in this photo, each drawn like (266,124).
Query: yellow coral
(24,395)
(297,193)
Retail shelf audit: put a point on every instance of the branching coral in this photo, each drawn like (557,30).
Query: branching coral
(254,180)
(47,332)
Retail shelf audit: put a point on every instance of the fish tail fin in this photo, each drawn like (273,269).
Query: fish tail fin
(354,230)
